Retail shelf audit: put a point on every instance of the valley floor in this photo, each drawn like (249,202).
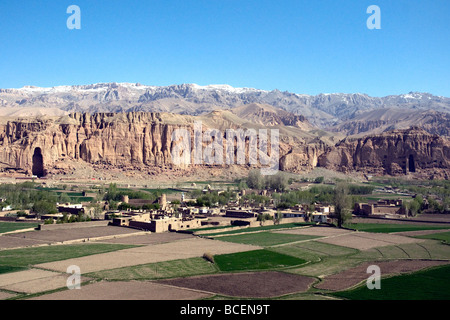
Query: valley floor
(302,262)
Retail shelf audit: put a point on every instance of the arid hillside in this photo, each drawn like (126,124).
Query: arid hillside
(144,142)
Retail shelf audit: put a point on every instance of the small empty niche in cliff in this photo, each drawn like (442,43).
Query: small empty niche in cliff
(38,163)
(412,165)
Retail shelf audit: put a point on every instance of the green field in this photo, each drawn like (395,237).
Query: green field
(13,226)
(263,228)
(326,259)
(265,239)
(432,284)
(159,270)
(255,260)
(23,258)
(442,236)
(388,228)
(166,190)
(211,228)
(8,269)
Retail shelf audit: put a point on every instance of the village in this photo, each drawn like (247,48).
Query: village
(175,212)
(131,240)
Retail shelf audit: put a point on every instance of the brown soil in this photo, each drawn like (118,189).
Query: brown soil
(52,236)
(248,285)
(133,290)
(8,242)
(5,295)
(34,281)
(154,238)
(366,240)
(420,232)
(351,277)
(317,231)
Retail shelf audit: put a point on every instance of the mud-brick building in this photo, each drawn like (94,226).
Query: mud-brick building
(381,207)
(158,224)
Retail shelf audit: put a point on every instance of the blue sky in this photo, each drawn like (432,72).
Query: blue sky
(310,47)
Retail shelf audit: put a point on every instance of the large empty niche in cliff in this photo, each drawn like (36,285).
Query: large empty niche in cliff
(412,165)
(38,163)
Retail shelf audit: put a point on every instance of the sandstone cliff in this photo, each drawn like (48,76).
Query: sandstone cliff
(397,152)
(114,140)
(143,141)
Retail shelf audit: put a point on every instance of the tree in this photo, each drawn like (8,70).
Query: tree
(277,182)
(255,180)
(319,179)
(112,193)
(96,208)
(446,204)
(43,207)
(405,207)
(242,185)
(278,217)
(414,207)
(262,217)
(310,208)
(64,198)
(341,203)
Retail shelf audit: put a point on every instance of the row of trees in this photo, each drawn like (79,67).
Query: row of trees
(113,193)
(214,198)
(257,181)
(439,207)
(67,218)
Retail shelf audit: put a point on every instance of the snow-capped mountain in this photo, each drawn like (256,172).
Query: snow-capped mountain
(323,110)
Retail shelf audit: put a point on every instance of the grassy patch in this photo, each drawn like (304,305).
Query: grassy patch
(326,258)
(429,284)
(13,226)
(319,249)
(31,256)
(166,190)
(430,249)
(442,236)
(211,228)
(388,228)
(81,199)
(8,269)
(266,239)
(255,260)
(263,228)
(159,270)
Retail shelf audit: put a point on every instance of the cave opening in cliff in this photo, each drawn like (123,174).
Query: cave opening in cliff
(38,163)
(412,165)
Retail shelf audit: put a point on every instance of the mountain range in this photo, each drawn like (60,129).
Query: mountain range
(343,113)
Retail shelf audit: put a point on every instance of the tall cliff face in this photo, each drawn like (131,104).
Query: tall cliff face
(393,153)
(144,140)
(112,139)
(119,140)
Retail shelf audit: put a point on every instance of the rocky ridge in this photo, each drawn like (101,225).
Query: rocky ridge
(142,141)
(322,110)
(397,152)
(129,141)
